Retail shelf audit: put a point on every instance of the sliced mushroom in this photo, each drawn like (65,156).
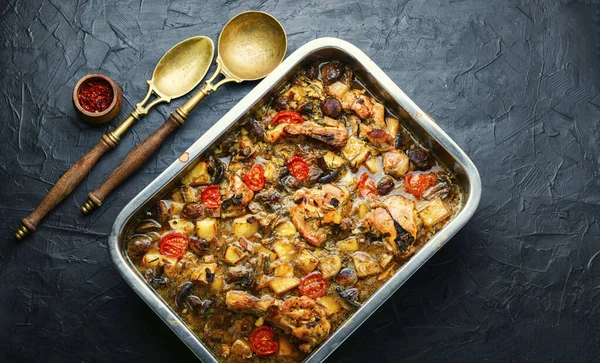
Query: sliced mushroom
(216,168)
(182,292)
(147,225)
(349,295)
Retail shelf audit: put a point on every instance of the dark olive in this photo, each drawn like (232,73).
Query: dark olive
(401,140)
(385,185)
(312,71)
(255,128)
(193,211)
(420,158)
(331,107)
(281,103)
(347,276)
(139,245)
(305,108)
(331,72)
(147,225)
(182,292)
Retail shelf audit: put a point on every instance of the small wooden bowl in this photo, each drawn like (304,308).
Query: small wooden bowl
(98,117)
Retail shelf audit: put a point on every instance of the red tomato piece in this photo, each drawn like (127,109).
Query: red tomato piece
(287,117)
(366,186)
(262,341)
(174,245)
(298,168)
(255,177)
(211,197)
(417,184)
(313,285)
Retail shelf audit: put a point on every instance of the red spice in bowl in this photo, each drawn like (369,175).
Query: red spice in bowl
(97,98)
(95,95)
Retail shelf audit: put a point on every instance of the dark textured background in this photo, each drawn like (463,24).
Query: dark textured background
(515,83)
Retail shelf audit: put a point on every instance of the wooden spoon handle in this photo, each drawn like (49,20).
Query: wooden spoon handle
(132,162)
(64,186)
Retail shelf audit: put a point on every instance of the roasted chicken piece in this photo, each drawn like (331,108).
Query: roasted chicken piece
(299,316)
(378,137)
(396,219)
(313,205)
(237,198)
(395,163)
(276,133)
(329,135)
(403,210)
(356,101)
(378,116)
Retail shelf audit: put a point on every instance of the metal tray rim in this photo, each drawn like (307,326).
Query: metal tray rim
(383,293)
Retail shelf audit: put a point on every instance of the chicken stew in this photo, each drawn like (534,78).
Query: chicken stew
(291,221)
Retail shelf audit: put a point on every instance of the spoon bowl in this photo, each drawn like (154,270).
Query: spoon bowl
(183,66)
(251,45)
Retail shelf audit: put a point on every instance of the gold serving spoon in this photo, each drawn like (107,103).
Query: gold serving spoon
(251,45)
(178,72)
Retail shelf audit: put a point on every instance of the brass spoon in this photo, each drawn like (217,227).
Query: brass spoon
(251,45)
(177,73)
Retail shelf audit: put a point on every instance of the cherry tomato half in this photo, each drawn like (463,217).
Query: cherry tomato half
(366,186)
(417,184)
(174,245)
(313,285)
(287,117)
(298,168)
(255,177)
(262,341)
(211,197)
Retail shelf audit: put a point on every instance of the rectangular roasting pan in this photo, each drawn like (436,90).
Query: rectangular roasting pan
(382,87)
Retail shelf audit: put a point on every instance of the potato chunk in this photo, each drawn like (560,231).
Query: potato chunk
(282,284)
(284,270)
(356,151)
(330,304)
(365,265)
(207,229)
(199,274)
(284,250)
(434,212)
(197,176)
(285,229)
(245,226)
(234,254)
(306,261)
(330,265)
(333,161)
(348,245)
(182,225)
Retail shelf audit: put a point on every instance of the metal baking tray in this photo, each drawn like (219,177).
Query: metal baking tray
(382,87)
